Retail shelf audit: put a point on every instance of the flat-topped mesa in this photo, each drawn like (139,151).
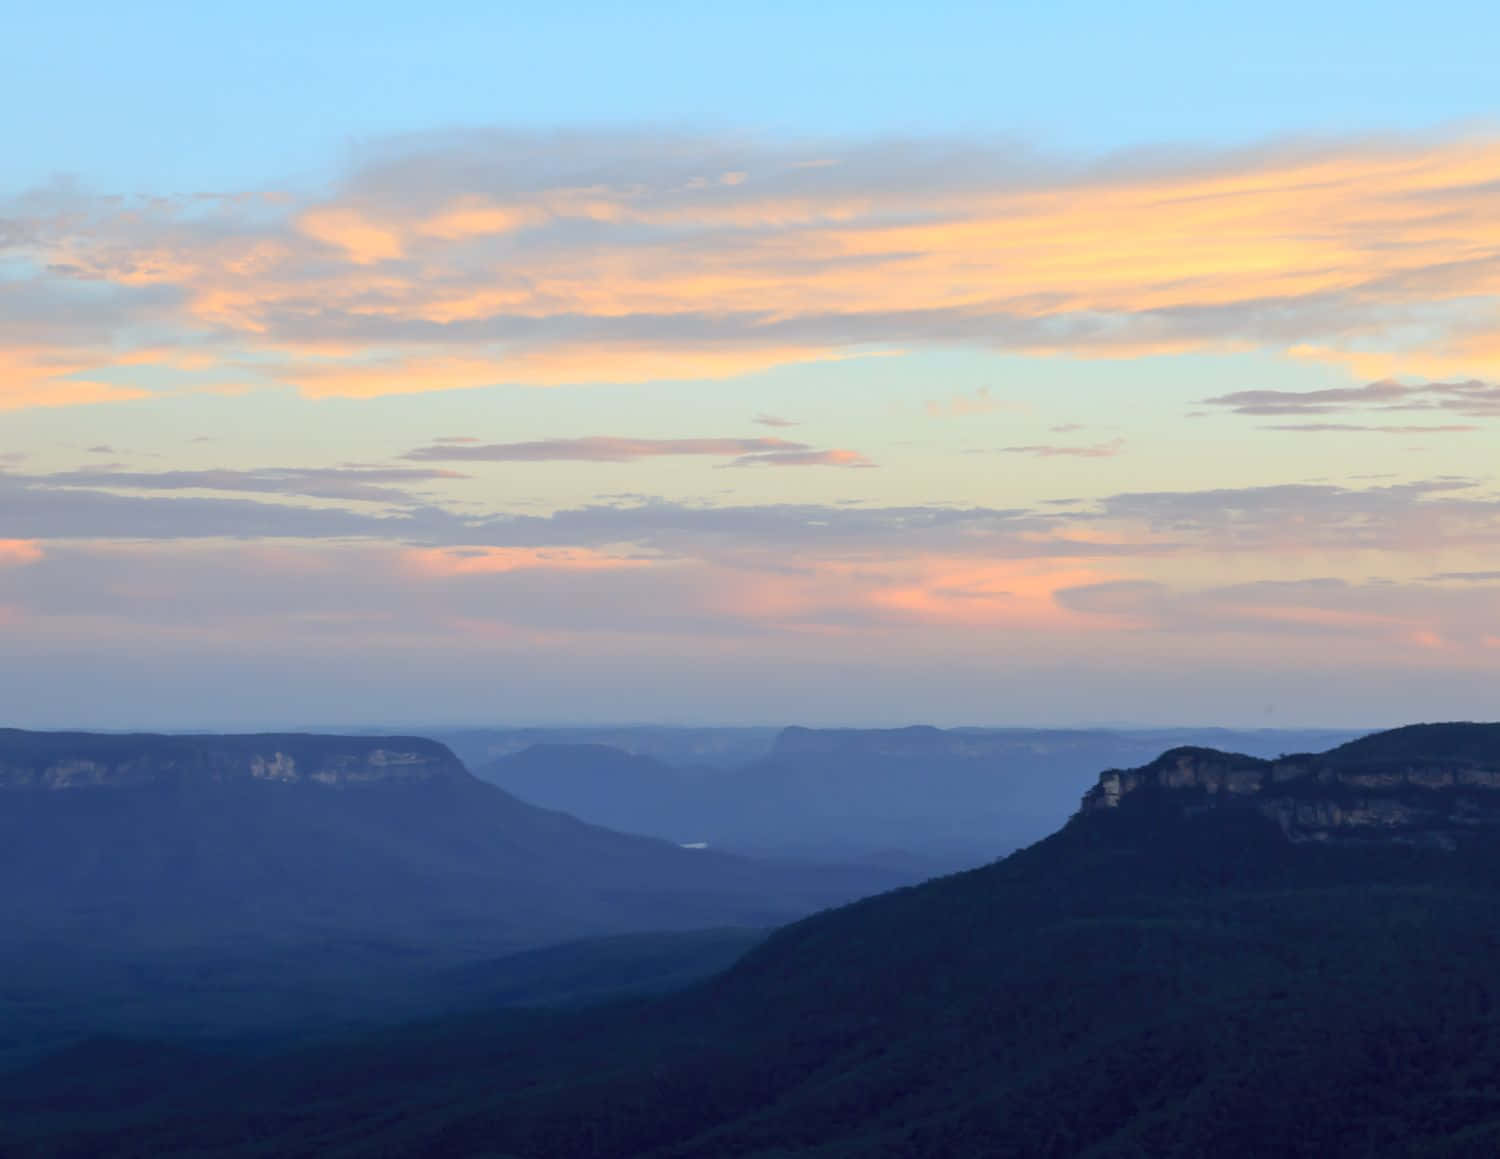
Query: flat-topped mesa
(914,742)
(797,741)
(1427,784)
(77,760)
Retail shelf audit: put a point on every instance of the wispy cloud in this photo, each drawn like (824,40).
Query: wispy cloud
(981,402)
(1419,516)
(305,560)
(833,458)
(615,449)
(1314,428)
(1415,614)
(1251,524)
(1059,450)
(1471,399)
(1477,577)
(462,260)
(368,484)
(230,590)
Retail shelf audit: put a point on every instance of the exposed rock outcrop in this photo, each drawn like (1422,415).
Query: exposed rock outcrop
(1432,785)
(61,760)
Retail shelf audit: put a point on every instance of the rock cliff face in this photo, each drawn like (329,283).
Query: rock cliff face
(69,761)
(1432,785)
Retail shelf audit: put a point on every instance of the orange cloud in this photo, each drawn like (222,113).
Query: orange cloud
(926,591)
(17,552)
(362,239)
(1014,593)
(1455,358)
(471,216)
(446,562)
(656,279)
(33,378)
(555,367)
(979,403)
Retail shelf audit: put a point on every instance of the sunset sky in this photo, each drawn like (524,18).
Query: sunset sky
(962,363)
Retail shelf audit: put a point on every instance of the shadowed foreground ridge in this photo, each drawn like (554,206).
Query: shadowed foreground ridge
(1174,975)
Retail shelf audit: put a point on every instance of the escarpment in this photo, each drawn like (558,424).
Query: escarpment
(1432,785)
(65,761)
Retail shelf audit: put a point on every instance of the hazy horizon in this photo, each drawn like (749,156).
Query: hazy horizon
(421,727)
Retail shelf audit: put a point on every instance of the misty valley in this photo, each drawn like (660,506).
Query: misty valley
(689,942)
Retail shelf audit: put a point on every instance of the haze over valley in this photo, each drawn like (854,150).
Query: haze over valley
(1010,1009)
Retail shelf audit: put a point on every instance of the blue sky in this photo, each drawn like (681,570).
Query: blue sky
(182,96)
(861,363)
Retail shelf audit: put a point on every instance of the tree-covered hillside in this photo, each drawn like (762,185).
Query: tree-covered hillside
(1147,982)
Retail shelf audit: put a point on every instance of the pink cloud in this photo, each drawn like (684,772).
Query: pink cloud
(799,458)
(1055,450)
(764,451)
(445,562)
(968,405)
(18,552)
(600,449)
(471,259)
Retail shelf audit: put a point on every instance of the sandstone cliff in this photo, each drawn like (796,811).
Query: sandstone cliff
(57,761)
(1432,785)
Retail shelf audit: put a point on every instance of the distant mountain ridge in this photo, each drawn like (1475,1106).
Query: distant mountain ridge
(682,746)
(927,741)
(1428,784)
(952,797)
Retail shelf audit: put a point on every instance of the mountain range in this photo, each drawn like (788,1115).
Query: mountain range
(918,796)
(1217,954)
(294,873)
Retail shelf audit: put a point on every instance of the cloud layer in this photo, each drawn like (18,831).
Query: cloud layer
(446,262)
(613,449)
(462,260)
(1471,399)
(1109,564)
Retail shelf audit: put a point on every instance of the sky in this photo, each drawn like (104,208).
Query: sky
(831,364)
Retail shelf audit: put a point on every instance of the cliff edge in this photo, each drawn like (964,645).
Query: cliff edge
(78,760)
(1434,785)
